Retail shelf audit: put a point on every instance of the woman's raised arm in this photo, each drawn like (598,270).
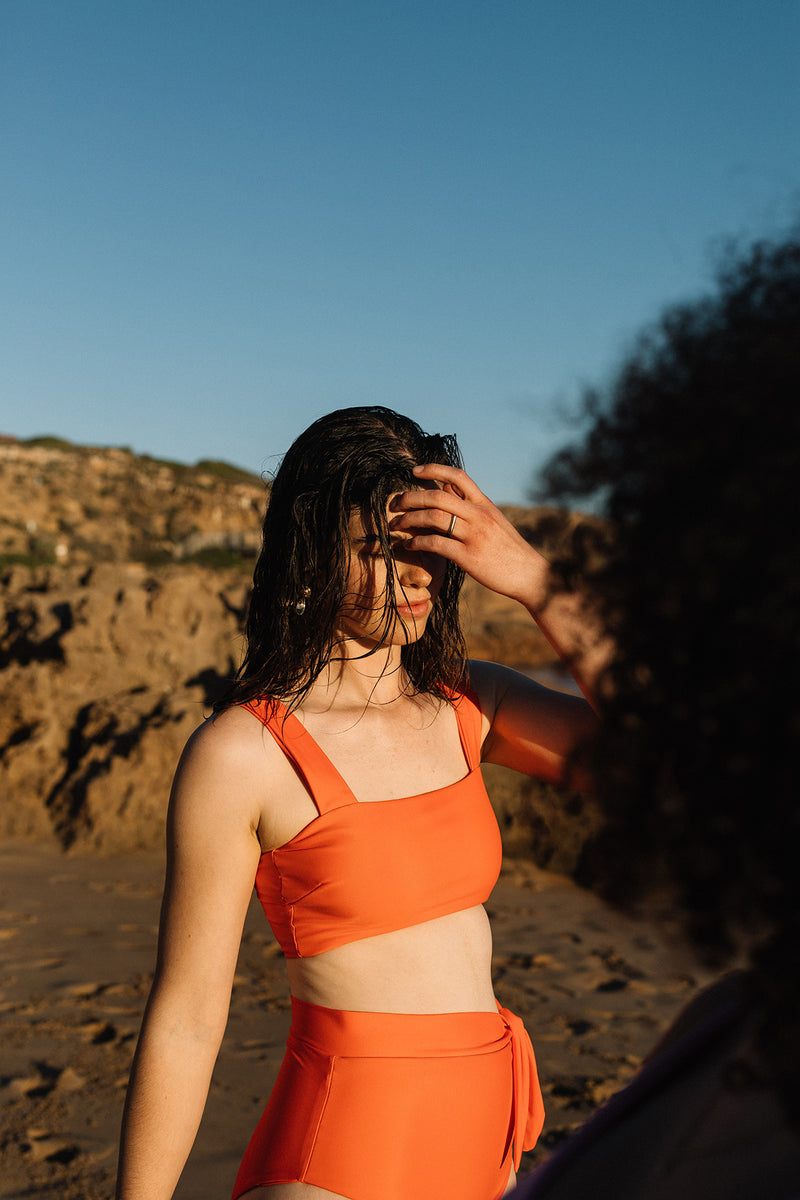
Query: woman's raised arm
(456,521)
(532,728)
(212,855)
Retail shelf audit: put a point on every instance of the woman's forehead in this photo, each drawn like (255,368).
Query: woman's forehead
(361,520)
(362,523)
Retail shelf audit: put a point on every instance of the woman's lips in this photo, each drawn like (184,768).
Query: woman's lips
(419,608)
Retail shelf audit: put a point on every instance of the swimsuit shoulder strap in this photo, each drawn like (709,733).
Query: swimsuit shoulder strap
(322,781)
(468,717)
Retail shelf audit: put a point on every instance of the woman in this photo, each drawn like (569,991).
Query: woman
(402,1076)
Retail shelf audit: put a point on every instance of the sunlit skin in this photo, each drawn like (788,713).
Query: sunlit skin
(237,796)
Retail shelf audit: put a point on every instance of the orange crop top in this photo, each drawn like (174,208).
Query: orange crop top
(362,869)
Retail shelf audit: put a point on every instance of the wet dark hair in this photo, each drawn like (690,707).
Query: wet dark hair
(694,451)
(354,458)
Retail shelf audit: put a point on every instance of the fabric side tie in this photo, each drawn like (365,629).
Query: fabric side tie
(528,1103)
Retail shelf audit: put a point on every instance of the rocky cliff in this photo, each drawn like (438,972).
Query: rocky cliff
(124,583)
(68,504)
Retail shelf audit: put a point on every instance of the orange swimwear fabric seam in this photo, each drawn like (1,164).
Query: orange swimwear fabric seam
(385,1106)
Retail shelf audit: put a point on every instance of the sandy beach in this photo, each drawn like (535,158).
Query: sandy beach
(77,940)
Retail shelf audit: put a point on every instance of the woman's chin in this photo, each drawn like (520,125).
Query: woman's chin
(408,628)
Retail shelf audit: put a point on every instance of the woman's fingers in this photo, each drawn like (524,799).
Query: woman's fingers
(455,494)
(447,511)
(453,478)
(433,519)
(427,509)
(437,529)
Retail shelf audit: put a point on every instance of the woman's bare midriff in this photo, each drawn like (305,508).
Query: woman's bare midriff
(443,965)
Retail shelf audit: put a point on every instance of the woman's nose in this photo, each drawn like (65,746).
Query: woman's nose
(414,567)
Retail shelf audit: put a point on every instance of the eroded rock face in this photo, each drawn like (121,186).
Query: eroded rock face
(70,504)
(113,651)
(106,672)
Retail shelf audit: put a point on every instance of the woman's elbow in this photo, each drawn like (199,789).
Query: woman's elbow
(187,1014)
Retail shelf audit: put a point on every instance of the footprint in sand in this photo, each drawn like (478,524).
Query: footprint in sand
(98,1032)
(25,1085)
(70,1081)
(44,964)
(44,1080)
(44,1146)
(615,984)
(85,991)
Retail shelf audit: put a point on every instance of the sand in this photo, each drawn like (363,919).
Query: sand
(77,943)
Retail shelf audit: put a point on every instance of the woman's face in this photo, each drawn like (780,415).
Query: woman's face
(414,587)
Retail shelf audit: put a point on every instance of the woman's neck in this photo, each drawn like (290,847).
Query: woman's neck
(358,679)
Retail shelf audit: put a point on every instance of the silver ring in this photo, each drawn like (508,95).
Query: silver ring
(452,525)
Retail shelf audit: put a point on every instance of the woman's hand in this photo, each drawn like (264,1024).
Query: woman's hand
(489,549)
(456,521)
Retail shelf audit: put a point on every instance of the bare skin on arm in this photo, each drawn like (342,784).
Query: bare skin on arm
(213,850)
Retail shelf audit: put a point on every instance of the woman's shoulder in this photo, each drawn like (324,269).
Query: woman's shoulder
(485,684)
(229,726)
(488,681)
(232,740)
(231,775)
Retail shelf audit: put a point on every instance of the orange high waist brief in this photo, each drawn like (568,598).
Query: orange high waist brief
(388,1106)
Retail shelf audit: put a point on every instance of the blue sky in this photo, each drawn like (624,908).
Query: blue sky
(220,220)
